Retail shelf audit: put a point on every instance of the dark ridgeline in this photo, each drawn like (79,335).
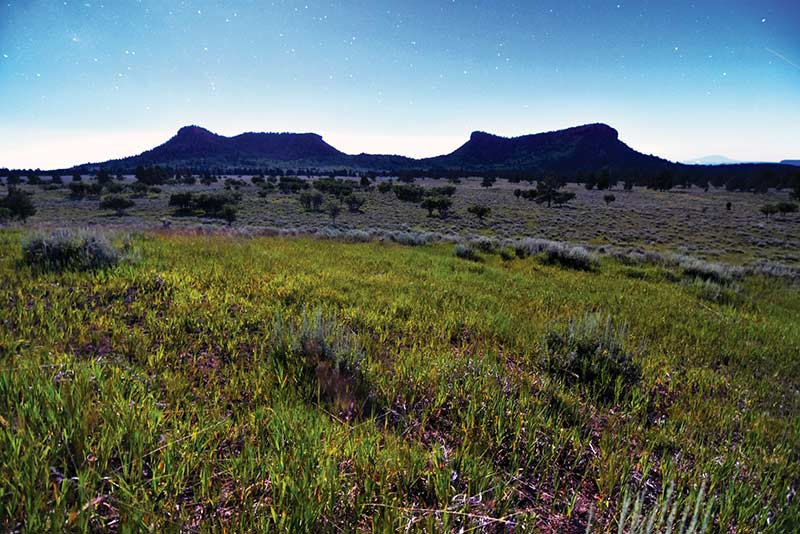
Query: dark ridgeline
(575,154)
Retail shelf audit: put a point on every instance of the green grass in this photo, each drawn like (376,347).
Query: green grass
(297,384)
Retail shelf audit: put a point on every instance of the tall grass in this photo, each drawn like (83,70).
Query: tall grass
(269,383)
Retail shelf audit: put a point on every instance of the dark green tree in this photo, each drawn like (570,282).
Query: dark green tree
(479,211)
(117,203)
(18,204)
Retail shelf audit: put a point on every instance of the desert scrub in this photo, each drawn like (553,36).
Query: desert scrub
(67,250)
(466,252)
(572,256)
(591,352)
(714,292)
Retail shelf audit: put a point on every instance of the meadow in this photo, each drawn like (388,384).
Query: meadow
(689,221)
(218,382)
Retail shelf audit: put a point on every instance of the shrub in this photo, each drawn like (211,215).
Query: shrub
(715,272)
(479,211)
(385,187)
(117,203)
(354,202)
(591,352)
(608,199)
(182,201)
(18,204)
(311,200)
(445,191)
(484,244)
(408,192)
(228,213)
(292,184)
(575,257)
(465,252)
(333,208)
(66,250)
(332,186)
(212,204)
(439,203)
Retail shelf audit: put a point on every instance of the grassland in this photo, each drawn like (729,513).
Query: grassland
(690,221)
(217,383)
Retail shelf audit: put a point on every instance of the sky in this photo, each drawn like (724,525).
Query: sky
(93,80)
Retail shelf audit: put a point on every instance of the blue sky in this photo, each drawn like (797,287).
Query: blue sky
(90,80)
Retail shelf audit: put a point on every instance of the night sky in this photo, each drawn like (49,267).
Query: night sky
(90,80)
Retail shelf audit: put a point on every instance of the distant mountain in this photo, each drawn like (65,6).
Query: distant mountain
(795,162)
(194,146)
(582,148)
(712,160)
(579,149)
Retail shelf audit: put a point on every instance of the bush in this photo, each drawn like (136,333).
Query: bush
(465,252)
(385,187)
(311,200)
(575,257)
(479,211)
(65,250)
(408,193)
(182,201)
(17,204)
(591,352)
(213,204)
(116,203)
(439,203)
(354,202)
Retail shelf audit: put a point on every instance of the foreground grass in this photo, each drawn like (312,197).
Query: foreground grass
(260,384)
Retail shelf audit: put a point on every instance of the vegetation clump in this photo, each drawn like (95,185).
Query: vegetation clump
(572,256)
(591,352)
(466,252)
(17,204)
(69,251)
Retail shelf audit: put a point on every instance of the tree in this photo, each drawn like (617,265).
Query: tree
(17,204)
(488,181)
(311,200)
(333,208)
(76,176)
(182,201)
(609,199)
(439,203)
(354,202)
(365,182)
(479,211)
(408,193)
(628,184)
(228,213)
(728,206)
(103,177)
(604,180)
(548,190)
(385,187)
(768,209)
(118,203)
(796,186)
(786,207)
